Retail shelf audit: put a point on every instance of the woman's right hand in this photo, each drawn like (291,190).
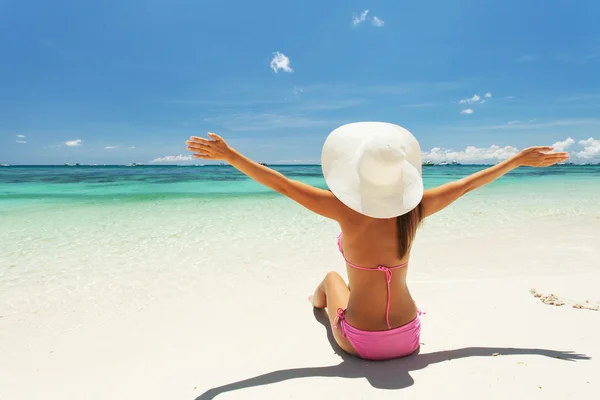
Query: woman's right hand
(540,156)
(214,148)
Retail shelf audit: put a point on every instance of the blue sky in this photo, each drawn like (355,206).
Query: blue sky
(130,81)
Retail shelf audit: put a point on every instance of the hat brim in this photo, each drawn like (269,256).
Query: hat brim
(339,162)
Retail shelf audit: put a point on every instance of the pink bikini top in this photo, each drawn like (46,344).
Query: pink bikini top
(388,276)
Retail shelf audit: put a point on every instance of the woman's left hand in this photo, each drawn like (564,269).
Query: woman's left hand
(214,148)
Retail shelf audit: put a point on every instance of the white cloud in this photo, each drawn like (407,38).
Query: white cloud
(591,150)
(467,111)
(583,151)
(20,136)
(472,100)
(358,19)
(297,90)
(378,22)
(471,154)
(21,141)
(476,99)
(562,146)
(516,121)
(73,143)
(280,61)
(173,158)
(131,147)
(110,147)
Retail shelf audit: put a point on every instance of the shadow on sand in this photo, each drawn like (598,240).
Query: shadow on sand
(390,374)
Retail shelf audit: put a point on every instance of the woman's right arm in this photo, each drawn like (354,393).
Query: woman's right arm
(317,200)
(438,198)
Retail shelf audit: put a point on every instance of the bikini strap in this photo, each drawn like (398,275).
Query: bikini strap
(340,316)
(339,242)
(388,281)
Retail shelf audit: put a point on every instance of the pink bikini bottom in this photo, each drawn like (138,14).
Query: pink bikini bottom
(382,345)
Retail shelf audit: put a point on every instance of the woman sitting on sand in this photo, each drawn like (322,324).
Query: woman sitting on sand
(373,171)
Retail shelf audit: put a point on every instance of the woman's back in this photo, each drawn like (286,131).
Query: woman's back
(370,243)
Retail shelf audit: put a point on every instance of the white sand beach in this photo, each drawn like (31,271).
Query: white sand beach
(237,325)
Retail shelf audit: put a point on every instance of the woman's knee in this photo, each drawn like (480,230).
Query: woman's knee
(332,278)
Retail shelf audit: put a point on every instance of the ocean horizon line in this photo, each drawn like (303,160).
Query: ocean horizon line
(154,165)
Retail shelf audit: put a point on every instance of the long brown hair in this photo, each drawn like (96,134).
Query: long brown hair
(407,225)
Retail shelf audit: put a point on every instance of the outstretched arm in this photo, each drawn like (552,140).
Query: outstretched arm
(438,198)
(317,200)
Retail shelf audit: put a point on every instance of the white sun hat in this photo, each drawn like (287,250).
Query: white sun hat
(374,168)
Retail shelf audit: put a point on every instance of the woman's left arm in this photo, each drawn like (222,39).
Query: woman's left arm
(320,201)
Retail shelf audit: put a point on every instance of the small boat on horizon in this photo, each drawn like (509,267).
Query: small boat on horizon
(430,163)
(453,162)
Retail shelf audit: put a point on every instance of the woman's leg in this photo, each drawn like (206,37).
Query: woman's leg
(333,293)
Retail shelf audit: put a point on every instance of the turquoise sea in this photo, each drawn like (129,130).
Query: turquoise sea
(93,241)
(48,184)
(51,189)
